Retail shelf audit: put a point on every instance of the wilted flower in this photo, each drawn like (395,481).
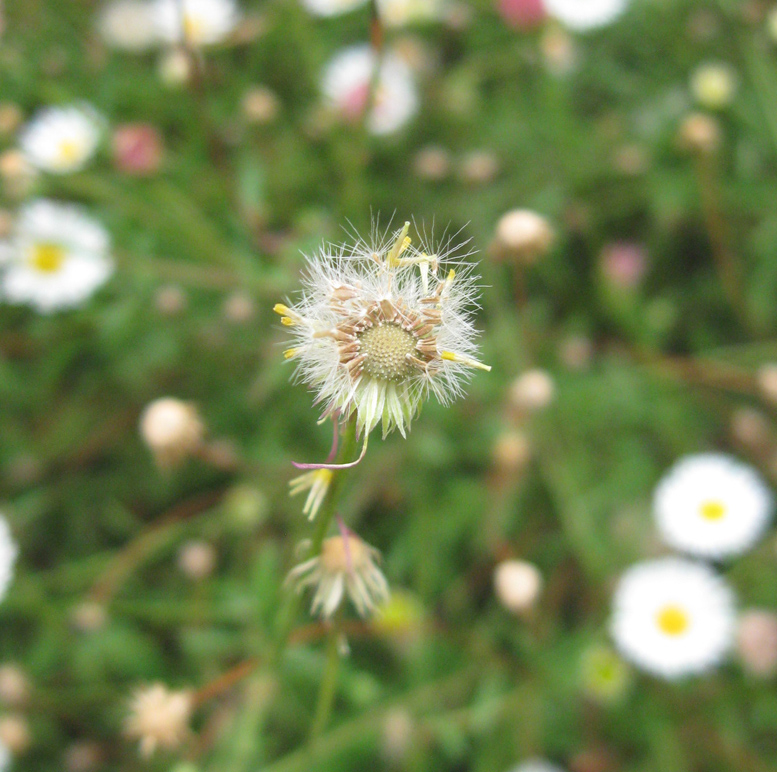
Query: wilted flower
(127,24)
(197,559)
(517,584)
(61,140)
(317,484)
(673,617)
(56,257)
(137,149)
(159,718)
(585,15)
(523,235)
(347,81)
(346,566)
(172,429)
(712,506)
(196,22)
(170,300)
(757,642)
(381,326)
(713,85)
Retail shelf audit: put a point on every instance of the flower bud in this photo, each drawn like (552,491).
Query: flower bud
(239,308)
(197,559)
(14,688)
(750,428)
(532,391)
(623,265)
(700,133)
(397,736)
(432,163)
(517,585)
(170,300)
(522,14)
(713,85)
(88,617)
(127,24)
(479,167)
(175,68)
(523,235)
(757,642)
(15,734)
(766,378)
(137,149)
(511,452)
(11,117)
(172,429)
(260,105)
(558,51)
(83,756)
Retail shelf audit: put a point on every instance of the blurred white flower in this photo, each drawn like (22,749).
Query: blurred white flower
(673,617)
(61,140)
(346,566)
(346,86)
(56,258)
(713,85)
(8,553)
(398,13)
(332,7)
(712,506)
(197,22)
(159,718)
(381,326)
(127,24)
(583,15)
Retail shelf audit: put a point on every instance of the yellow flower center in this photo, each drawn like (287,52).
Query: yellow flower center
(47,258)
(385,348)
(672,620)
(192,28)
(69,151)
(713,510)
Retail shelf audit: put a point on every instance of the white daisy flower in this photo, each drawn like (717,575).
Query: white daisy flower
(381,326)
(8,553)
(331,7)
(57,257)
(398,13)
(61,140)
(673,617)
(127,24)
(583,15)
(712,506)
(346,86)
(197,22)
(346,566)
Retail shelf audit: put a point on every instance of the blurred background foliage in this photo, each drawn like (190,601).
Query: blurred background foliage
(449,680)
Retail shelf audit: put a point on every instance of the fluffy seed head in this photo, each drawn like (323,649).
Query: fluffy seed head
(159,718)
(380,327)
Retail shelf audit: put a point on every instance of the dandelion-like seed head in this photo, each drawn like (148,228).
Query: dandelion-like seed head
(346,566)
(159,718)
(380,327)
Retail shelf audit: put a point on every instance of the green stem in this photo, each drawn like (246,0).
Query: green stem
(323,521)
(326,693)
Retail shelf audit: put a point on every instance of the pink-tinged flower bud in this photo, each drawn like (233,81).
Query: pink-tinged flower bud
(522,14)
(757,642)
(517,585)
(137,149)
(623,265)
(750,428)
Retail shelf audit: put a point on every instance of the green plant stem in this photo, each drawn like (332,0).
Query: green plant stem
(326,692)
(323,522)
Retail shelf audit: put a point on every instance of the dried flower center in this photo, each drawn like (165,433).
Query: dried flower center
(385,348)
(713,510)
(340,555)
(672,620)
(47,258)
